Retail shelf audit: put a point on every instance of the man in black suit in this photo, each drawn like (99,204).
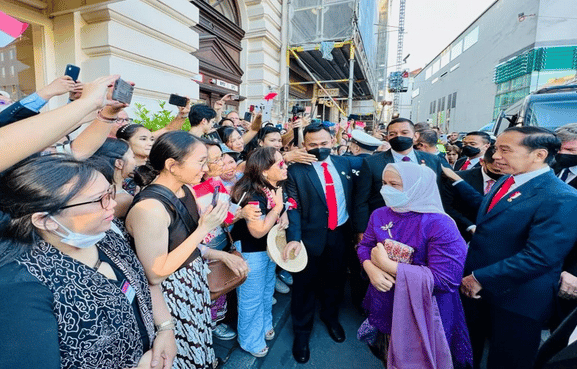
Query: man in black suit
(401,135)
(474,146)
(525,229)
(565,167)
(323,192)
(482,180)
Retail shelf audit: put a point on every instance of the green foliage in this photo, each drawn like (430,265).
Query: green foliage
(158,120)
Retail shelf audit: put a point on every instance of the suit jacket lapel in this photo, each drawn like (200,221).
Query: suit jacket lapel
(518,195)
(316,182)
(342,174)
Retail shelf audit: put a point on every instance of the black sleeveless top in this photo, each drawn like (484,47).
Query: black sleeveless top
(177,230)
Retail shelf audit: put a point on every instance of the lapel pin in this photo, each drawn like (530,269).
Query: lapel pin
(343,173)
(514,196)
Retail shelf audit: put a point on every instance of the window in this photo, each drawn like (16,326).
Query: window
(428,73)
(449,101)
(1,56)
(471,39)
(454,102)
(445,57)
(3,72)
(436,66)
(457,49)
(11,54)
(433,106)
(226,8)
(11,70)
(439,105)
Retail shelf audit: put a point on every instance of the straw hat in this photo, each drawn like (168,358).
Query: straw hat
(276,242)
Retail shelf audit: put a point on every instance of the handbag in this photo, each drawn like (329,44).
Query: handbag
(221,279)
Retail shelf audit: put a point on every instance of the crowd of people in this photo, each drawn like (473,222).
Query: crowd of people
(455,246)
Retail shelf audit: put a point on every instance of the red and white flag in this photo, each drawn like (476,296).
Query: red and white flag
(10,29)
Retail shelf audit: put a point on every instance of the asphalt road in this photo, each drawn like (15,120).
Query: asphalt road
(325,353)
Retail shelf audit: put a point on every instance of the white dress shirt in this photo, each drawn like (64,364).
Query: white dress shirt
(399,157)
(572,174)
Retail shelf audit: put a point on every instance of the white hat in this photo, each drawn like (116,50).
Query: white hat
(276,242)
(5,94)
(365,140)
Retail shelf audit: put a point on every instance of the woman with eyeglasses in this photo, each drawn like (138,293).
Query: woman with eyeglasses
(265,171)
(115,160)
(74,295)
(168,231)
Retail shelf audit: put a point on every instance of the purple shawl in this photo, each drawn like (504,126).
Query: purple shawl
(417,336)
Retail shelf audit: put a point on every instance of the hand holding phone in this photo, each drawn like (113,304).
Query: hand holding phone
(177,100)
(215,196)
(122,91)
(72,71)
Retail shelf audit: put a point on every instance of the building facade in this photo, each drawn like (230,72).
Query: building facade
(512,49)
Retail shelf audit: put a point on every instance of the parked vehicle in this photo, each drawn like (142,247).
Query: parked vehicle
(550,108)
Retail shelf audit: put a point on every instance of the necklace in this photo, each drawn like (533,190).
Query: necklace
(97,264)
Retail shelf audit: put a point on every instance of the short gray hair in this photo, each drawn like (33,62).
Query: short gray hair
(567,132)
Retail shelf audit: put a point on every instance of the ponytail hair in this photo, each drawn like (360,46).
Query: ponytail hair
(171,145)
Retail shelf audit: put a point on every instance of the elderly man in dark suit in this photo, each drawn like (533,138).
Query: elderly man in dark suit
(401,135)
(323,192)
(525,229)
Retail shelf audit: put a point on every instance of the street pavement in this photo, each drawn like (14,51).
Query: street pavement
(325,353)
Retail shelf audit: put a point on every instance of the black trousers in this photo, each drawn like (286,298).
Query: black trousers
(324,274)
(513,339)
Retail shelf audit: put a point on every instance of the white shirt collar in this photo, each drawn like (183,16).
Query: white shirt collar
(573,170)
(521,179)
(473,161)
(399,157)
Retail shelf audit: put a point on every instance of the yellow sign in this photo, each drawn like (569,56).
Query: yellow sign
(334,92)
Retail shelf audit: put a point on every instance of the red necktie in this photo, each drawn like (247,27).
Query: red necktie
(502,191)
(331,198)
(466,165)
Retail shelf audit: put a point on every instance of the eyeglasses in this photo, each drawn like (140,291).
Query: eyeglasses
(215,161)
(124,120)
(104,200)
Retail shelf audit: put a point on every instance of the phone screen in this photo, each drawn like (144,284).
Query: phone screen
(215,195)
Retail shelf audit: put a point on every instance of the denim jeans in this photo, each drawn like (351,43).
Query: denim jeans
(255,301)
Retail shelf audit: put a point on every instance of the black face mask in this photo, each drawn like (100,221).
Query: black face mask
(566,160)
(321,153)
(492,175)
(401,143)
(470,151)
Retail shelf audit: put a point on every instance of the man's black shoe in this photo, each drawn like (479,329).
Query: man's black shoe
(336,331)
(301,351)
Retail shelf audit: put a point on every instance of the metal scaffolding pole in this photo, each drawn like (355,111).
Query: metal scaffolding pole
(351,79)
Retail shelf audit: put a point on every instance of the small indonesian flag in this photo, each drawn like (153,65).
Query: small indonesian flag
(10,29)
(203,193)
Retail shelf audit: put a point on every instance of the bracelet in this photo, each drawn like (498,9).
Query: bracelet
(166,326)
(104,119)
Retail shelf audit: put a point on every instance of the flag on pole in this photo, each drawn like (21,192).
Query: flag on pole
(10,29)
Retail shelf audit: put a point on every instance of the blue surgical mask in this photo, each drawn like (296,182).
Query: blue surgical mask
(82,241)
(393,197)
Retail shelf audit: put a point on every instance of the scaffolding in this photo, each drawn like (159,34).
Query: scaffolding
(327,39)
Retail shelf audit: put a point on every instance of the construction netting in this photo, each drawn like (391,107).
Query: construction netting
(315,21)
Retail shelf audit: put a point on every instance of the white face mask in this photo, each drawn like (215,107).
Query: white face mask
(393,197)
(82,241)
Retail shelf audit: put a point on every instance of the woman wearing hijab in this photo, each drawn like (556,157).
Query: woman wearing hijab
(414,257)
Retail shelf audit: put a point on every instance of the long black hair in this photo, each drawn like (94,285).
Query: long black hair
(104,159)
(253,181)
(35,185)
(171,145)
